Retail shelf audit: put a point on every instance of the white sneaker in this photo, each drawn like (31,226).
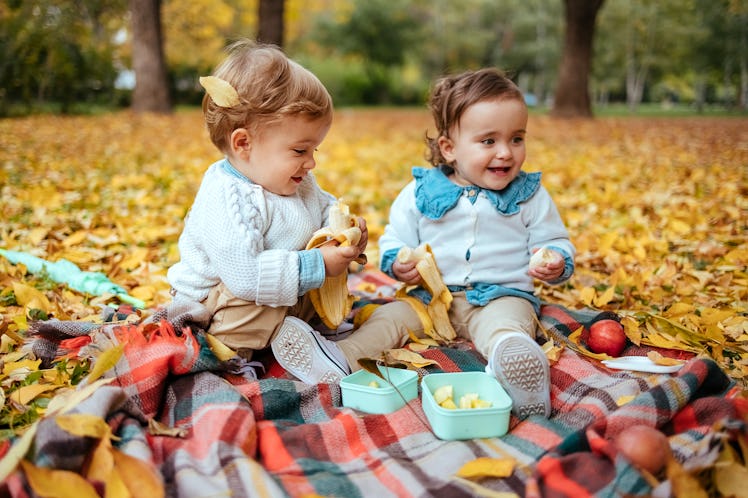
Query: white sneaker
(308,356)
(522,369)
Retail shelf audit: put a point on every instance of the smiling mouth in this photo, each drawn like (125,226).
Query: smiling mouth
(297,179)
(505,169)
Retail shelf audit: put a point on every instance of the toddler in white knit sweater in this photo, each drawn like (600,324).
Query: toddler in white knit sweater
(242,249)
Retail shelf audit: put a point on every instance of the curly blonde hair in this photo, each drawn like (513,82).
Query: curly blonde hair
(452,95)
(270,86)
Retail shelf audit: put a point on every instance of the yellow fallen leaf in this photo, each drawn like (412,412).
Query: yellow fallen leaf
(658,359)
(143,292)
(30,365)
(140,477)
(156,428)
(552,352)
(57,483)
(222,351)
(104,362)
(363,314)
(410,357)
(622,400)
(18,451)
(25,394)
(605,297)
(425,341)
(30,297)
(136,257)
(75,238)
(587,295)
(684,484)
(730,479)
(487,467)
(84,425)
(100,465)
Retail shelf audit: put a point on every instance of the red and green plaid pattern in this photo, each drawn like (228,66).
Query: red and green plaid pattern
(278,437)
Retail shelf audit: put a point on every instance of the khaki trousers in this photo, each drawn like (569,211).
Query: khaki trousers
(388,326)
(246,326)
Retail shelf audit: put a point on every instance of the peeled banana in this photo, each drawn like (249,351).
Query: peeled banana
(436,322)
(333,302)
(542,257)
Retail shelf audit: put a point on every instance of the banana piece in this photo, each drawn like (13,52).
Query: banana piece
(542,257)
(438,325)
(333,302)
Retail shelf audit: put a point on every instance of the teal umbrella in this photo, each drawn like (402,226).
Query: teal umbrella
(66,272)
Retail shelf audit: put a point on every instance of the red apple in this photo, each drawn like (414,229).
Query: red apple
(607,336)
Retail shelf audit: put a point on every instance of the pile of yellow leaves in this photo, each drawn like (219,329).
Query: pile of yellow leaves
(656,207)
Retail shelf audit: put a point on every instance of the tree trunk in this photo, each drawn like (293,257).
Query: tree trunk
(271,22)
(151,92)
(572,97)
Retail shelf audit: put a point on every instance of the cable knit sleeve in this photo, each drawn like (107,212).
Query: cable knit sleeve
(223,241)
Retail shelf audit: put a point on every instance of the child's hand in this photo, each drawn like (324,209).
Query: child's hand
(364,240)
(550,270)
(406,272)
(338,258)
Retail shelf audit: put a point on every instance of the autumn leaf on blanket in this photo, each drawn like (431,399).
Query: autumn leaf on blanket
(140,477)
(487,467)
(371,365)
(11,368)
(58,483)
(156,428)
(631,329)
(222,351)
(683,483)
(25,394)
(658,359)
(84,425)
(409,357)
(627,398)
(104,362)
(552,351)
(419,344)
(730,479)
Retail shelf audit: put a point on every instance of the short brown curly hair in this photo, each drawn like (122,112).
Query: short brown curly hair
(270,86)
(452,95)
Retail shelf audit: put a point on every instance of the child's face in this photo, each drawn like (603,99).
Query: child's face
(487,147)
(281,154)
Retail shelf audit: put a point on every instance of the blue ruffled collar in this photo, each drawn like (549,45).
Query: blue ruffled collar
(436,194)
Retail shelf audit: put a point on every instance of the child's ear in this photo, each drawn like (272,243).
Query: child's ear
(241,143)
(446,146)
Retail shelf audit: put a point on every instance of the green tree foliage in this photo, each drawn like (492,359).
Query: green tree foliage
(57,50)
(378,32)
(67,52)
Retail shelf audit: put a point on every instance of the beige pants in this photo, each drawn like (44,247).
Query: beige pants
(388,325)
(246,326)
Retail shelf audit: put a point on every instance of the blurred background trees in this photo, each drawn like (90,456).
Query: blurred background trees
(78,55)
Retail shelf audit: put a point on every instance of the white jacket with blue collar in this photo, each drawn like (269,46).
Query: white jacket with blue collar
(482,239)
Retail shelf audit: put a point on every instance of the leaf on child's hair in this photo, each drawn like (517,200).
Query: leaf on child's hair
(221,91)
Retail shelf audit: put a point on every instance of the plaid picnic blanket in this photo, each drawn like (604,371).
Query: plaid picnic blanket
(272,436)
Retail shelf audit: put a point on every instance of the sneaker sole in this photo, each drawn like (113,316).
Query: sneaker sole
(525,374)
(298,352)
